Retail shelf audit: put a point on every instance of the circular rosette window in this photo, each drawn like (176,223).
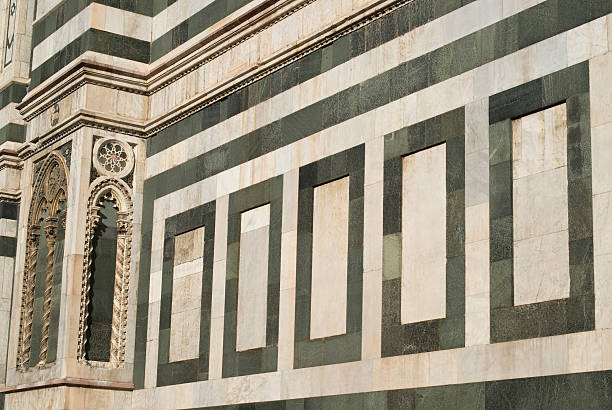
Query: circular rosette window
(113,158)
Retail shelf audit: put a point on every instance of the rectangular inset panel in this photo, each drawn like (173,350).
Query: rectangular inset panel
(541,212)
(540,206)
(186,295)
(423,288)
(329,266)
(424,235)
(329,259)
(253,278)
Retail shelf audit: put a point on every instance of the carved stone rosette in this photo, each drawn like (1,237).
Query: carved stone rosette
(48,196)
(118,192)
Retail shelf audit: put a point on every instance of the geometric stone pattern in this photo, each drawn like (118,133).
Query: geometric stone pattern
(517,310)
(364,288)
(186,291)
(437,329)
(252,282)
(320,182)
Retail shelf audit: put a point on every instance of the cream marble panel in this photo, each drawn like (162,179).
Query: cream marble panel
(603,290)
(601,151)
(424,235)
(184,335)
(587,41)
(8,227)
(329,259)
(541,268)
(186,295)
(540,207)
(540,204)
(600,92)
(540,141)
(188,246)
(253,278)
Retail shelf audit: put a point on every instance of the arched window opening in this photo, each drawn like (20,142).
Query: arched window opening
(105,283)
(41,289)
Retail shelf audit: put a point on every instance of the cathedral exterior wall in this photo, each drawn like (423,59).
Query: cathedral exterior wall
(316,204)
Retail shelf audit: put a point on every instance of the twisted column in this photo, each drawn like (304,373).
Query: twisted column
(51,235)
(27,297)
(120,291)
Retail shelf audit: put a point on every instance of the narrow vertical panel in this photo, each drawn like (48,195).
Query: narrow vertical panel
(424,235)
(540,207)
(253,278)
(186,295)
(329,259)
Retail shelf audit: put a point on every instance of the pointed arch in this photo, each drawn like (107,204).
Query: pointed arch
(118,193)
(47,207)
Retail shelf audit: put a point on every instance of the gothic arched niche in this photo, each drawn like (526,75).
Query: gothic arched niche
(41,288)
(105,285)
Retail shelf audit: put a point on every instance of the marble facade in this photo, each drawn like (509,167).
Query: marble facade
(305,204)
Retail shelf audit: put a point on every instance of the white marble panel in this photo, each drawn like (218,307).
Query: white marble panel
(539,141)
(188,246)
(253,278)
(329,259)
(184,335)
(424,235)
(540,207)
(8,227)
(540,204)
(541,268)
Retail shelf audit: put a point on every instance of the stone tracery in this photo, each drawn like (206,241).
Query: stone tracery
(47,207)
(118,193)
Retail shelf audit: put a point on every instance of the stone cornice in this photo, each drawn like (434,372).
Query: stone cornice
(85,71)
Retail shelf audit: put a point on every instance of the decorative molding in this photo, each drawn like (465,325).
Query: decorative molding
(117,191)
(49,193)
(69,382)
(87,72)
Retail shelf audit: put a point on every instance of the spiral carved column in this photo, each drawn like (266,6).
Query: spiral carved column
(51,236)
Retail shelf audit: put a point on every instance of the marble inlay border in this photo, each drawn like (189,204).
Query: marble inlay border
(436,334)
(263,359)
(345,347)
(192,370)
(576,313)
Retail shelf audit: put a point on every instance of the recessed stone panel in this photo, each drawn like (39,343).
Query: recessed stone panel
(329,259)
(424,235)
(186,295)
(540,206)
(253,278)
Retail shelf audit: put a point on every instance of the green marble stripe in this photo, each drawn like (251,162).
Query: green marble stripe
(576,313)
(487,45)
(9,210)
(8,246)
(397,23)
(92,40)
(425,71)
(12,132)
(572,391)
(264,359)
(438,334)
(200,21)
(66,10)
(12,93)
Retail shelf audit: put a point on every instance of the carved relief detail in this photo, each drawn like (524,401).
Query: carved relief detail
(49,193)
(118,192)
